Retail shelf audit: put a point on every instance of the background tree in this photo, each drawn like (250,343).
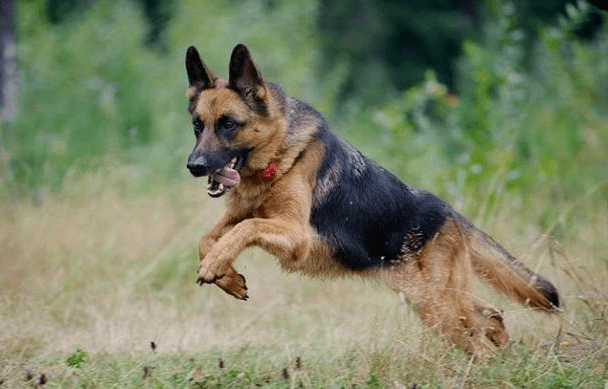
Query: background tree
(9,75)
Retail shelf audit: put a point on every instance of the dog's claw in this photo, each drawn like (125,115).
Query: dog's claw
(201,281)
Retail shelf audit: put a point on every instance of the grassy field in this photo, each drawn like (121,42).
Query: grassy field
(97,290)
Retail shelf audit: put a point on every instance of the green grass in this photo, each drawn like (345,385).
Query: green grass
(95,274)
(269,367)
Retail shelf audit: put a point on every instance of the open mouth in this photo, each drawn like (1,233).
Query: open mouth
(225,178)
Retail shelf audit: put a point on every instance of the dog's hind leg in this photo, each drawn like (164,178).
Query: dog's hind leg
(437,281)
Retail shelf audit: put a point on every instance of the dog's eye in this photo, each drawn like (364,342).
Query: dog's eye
(229,125)
(198,126)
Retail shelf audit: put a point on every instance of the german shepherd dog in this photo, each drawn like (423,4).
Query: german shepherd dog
(321,207)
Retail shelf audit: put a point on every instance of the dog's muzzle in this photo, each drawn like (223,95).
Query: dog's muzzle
(220,180)
(197,168)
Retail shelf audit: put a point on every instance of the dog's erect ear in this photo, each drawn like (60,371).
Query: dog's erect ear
(199,76)
(245,78)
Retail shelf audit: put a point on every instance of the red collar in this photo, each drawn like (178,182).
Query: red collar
(271,171)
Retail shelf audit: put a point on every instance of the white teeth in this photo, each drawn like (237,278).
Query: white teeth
(229,165)
(216,191)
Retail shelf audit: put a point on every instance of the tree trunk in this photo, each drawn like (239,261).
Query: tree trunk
(9,73)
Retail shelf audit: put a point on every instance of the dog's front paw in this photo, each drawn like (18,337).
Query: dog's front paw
(234,284)
(228,279)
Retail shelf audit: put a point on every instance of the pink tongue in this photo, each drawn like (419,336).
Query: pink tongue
(227,176)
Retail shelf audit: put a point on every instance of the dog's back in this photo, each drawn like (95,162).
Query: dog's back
(369,216)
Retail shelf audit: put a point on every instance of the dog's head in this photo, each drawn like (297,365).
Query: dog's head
(234,121)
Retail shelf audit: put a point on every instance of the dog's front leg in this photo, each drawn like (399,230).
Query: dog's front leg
(282,238)
(226,222)
(232,282)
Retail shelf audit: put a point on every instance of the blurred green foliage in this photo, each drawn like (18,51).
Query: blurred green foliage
(92,87)
(87,89)
(530,115)
(538,130)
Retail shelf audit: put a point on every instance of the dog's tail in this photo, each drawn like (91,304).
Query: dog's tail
(492,263)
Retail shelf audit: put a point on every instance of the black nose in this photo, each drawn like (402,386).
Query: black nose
(197,165)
